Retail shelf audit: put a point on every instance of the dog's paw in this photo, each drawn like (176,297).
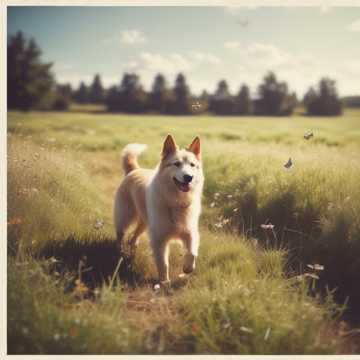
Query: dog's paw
(188,270)
(189,264)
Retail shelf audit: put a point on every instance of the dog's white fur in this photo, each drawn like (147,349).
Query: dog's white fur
(161,201)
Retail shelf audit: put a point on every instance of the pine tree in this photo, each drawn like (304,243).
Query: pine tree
(243,103)
(96,91)
(182,96)
(82,94)
(160,96)
(222,103)
(30,82)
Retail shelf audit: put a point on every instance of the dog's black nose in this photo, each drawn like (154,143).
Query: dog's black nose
(188,178)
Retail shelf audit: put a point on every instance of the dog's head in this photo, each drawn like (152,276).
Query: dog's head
(181,168)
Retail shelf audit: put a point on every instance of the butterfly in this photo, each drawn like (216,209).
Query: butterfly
(196,105)
(288,164)
(308,135)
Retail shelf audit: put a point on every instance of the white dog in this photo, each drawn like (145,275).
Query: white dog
(167,200)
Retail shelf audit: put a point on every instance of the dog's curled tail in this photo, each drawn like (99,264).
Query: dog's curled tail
(129,156)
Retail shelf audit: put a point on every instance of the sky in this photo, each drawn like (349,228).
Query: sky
(207,44)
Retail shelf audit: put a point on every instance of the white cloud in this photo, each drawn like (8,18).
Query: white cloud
(205,58)
(173,63)
(132,37)
(354,26)
(127,37)
(232,44)
(168,64)
(269,54)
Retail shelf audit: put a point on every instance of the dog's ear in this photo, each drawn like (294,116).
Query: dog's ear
(169,146)
(195,147)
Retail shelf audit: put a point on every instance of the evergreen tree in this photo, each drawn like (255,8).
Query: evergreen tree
(160,96)
(29,81)
(274,97)
(129,97)
(182,96)
(96,91)
(222,103)
(324,101)
(82,94)
(243,103)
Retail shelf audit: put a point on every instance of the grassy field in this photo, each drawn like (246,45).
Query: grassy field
(252,292)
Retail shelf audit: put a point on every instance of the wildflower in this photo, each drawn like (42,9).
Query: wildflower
(246,329)
(267,333)
(195,328)
(56,337)
(229,196)
(226,221)
(80,288)
(308,135)
(212,204)
(98,224)
(157,287)
(315,267)
(25,330)
(53,260)
(15,221)
(226,325)
(216,195)
(267,226)
(218,225)
(236,210)
(73,332)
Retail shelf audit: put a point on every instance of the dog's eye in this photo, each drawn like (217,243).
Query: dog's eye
(192,164)
(177,163)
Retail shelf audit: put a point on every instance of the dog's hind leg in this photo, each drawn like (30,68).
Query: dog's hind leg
(134,240)
(124,215)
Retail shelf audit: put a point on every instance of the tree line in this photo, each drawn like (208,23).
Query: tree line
(31,85)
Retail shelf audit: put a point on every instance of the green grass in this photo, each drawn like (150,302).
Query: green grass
(244,298)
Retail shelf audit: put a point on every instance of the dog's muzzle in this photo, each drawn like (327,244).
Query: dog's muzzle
(183,186)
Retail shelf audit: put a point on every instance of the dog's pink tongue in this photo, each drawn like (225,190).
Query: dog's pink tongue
(184,187)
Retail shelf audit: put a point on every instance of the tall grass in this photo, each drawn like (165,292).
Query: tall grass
(244,297)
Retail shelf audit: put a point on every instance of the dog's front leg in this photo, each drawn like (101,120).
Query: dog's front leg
(160,249)
(191,241)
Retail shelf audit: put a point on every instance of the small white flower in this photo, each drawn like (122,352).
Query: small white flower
(157,287)
(98,224)
(267,226)
(56,337)
(267,333)
(212,204)
(246,329)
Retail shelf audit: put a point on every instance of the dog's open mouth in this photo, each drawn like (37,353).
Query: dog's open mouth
(184,187)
